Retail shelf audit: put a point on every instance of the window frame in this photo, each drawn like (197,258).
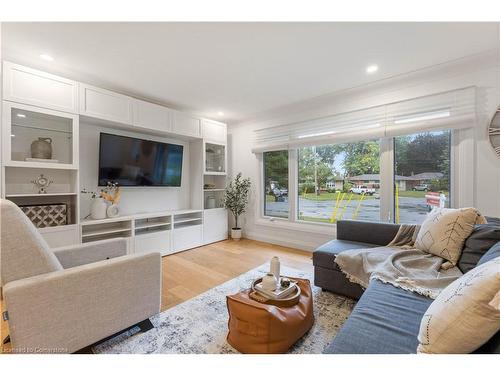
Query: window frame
(461,187)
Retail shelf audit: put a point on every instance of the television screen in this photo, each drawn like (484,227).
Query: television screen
(138,162)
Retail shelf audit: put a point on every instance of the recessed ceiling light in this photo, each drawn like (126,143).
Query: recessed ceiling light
(21,115)
(220,113)
(46,57)
(370,69)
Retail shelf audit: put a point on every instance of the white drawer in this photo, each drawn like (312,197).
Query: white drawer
(187,237)
(153,242)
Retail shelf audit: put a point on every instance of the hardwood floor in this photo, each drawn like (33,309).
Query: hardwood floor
(192,272)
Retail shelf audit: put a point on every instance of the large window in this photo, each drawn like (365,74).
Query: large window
(339,182)
(421,175)
(358,181)
(276,184)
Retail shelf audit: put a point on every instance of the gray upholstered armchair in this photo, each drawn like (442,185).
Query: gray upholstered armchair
(66,299)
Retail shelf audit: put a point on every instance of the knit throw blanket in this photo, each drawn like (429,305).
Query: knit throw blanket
(399,264)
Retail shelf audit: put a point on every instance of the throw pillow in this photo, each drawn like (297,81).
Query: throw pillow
(445,230)
(492,253)
(482,238)
(465,315)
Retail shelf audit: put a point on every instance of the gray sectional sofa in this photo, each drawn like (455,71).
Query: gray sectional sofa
(386,319)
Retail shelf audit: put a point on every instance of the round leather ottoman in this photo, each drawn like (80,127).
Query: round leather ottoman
(260,328)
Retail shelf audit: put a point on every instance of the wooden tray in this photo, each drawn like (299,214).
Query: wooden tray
(291,300)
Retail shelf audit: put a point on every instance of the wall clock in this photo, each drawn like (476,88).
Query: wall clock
(494,132)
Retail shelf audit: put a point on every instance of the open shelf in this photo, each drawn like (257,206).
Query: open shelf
(188,219)
(38,195)
(96,232)
(151,225)
(152,229)
(99,232)
(29,164)
(179,221)
(105,236)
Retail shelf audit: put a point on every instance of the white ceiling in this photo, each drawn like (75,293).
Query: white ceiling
(239,68)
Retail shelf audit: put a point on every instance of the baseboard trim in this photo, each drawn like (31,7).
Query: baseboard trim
(302,245)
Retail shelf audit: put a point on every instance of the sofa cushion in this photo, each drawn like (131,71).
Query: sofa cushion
(444,231)
(483,237)
(373,232)
(386,319)
(324,255)
(465,315)
(491,254)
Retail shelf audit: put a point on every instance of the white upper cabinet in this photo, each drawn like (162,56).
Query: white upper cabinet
(151,116)
(105,104)
(214,131)
(186,124)
(30,86)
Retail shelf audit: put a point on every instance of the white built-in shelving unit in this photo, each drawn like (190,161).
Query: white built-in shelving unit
(37,104)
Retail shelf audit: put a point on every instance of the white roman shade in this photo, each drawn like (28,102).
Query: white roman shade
(447,110)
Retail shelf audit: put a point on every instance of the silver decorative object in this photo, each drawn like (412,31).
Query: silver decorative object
(42,183)
(42,148)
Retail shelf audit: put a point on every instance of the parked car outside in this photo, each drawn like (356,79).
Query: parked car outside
(362,189)
(421,187)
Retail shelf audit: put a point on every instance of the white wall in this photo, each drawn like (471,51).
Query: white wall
(482,71)
(133,199)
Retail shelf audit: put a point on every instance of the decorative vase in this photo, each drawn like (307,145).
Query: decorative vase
(112,210)
(269,282)
(275,268)
(42,148)
(235,234)
(98,208)
(210,202)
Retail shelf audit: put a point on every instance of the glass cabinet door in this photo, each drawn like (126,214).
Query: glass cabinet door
(41,136)
(215,158)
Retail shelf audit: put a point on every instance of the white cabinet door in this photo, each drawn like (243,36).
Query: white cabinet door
(30,86)
(105,104)
(214,225)
(186,124)
(187,237)
(153,242)
(151,116)
(214,131)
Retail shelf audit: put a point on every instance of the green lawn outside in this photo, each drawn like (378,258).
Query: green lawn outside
(333,196)
(315,219)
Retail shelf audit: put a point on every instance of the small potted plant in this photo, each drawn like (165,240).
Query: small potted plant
(236,200)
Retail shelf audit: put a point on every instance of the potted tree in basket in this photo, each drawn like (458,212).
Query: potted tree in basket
(236,200)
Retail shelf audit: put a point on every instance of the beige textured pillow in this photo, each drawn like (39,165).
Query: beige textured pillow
(444,231)
(466,313)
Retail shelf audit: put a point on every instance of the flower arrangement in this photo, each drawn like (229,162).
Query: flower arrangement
(111,193)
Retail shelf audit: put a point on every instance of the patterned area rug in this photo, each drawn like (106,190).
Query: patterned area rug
(199,325)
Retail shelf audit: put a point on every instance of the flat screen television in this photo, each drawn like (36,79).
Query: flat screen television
(138,162)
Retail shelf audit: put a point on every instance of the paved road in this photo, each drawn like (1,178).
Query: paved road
(411,210)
